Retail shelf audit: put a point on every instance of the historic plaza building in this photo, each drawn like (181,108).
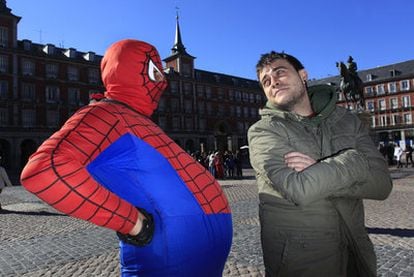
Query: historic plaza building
(42,85)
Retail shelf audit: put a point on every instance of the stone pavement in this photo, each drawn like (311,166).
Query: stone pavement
(35,240)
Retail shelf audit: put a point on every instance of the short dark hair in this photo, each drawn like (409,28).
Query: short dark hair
(268,58)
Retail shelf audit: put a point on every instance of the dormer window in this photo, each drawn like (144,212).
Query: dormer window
(70,53)
(4,36)
(90,56)
(370,77)
(49,49)
(27,45)
(394,73)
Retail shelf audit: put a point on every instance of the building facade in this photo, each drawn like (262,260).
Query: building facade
(42,85)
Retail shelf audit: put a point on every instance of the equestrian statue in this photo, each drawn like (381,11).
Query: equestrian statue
(351,85)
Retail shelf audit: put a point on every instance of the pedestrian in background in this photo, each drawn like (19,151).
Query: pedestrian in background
(4,180)
(409,155)
(398,152)
(314,163)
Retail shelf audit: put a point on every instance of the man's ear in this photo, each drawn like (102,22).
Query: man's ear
(303,75)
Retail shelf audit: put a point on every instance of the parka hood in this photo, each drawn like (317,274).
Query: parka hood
(127,70)
(322,98)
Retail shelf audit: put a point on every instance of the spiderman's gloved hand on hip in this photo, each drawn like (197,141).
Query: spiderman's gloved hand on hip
(144,237)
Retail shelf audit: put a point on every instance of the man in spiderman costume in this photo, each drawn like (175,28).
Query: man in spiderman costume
(112,166)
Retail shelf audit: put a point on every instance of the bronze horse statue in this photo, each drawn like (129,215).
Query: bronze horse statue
(351,86)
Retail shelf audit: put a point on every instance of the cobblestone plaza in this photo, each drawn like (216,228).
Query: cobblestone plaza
(35,240)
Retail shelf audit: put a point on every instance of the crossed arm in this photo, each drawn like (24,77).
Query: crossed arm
(300,178)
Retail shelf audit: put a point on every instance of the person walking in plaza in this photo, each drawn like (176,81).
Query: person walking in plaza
(4,180)
(398,152)
(314,163)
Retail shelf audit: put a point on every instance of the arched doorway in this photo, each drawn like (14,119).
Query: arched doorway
(189,146)
(221,131)
(27,148)
(5,148)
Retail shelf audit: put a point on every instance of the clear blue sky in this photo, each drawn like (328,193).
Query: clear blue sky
(228,36)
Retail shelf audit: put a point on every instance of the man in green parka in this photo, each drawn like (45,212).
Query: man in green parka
(314,163)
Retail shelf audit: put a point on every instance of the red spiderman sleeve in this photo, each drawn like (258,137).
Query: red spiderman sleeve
(57,173)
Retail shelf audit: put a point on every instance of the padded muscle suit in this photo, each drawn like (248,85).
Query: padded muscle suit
(110,158)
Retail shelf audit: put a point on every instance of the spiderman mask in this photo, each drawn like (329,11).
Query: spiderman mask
(132,74)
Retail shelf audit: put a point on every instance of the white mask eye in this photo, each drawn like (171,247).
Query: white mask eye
(154,73)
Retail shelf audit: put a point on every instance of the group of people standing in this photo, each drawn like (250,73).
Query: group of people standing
(227,165)
(395,154)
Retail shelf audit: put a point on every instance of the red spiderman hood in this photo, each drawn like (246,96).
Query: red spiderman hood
(128,68)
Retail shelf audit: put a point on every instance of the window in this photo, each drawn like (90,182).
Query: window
(73,96)
(28,118)
(394,103)
(369,91)
(209,109)
(251,96)
(188,106)
(201,107)
(246,111)
(220,93)
(405,85)
(245,97)
(4,118)
(93,75)
(382,105)
(231,95)
(52,70)
(161,105)
(52,118)
(407,118)
(4,36)
(370,106)
(232,110)
(189,123)
(73,73)
(200,90)
(174,105)
(238,111)
(383,121)
(4,63)
(208,92)
(405,101)
(187,89)
(52,94)
(238,95)
(173,87)
(221,110)
(28,91)
(395,119)
(253,112)
(372,121)
(27,45)
(369,77)
(28,67)
(4,89)
(176,122)
(392,87)
(203,124)
(162,122)
(380,89)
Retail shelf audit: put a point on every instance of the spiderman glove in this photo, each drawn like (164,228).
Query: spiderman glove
(144,237)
